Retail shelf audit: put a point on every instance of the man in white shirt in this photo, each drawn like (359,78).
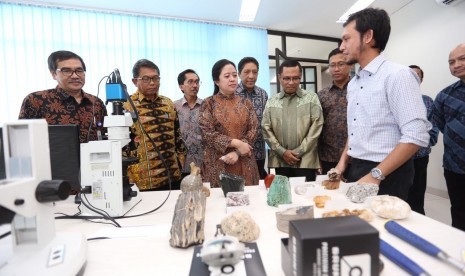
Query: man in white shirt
(386,116)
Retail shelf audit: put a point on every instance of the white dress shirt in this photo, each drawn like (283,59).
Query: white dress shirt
(384,109)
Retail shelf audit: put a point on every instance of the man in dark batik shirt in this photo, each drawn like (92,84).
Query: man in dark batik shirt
(248,72)
(159,120)
(448,116)
(333,100)
(67,103)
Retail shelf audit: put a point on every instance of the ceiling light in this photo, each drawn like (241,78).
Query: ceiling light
(249,10)
(358,6)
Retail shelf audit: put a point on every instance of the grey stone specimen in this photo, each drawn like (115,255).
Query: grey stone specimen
(187,228)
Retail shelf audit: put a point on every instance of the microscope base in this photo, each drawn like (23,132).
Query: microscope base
(64,255)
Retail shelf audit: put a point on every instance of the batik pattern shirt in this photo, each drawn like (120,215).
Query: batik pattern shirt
(223,118)
(293,122)
(433,133)
(59,108)
(190,131)
(449,116)
(333,136)
(160,121)
(258,97)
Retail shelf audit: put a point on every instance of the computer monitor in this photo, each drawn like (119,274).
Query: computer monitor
(65,158)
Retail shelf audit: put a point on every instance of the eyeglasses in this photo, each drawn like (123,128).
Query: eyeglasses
(294,79)
(146,79)
(339,65)
(192,82)
(68,72)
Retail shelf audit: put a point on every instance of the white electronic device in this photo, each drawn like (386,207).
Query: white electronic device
(221,251)
(28,191)
(102,170)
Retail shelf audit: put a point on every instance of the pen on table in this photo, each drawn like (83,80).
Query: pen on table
(422,244)
(401,260)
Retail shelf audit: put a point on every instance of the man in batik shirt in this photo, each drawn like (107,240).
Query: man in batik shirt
(248,72)
(67,103)
(159,120)
(333,100)
(188,108)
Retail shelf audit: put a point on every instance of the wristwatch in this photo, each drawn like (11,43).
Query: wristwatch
(377,174)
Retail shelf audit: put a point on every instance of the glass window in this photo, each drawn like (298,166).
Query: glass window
(309,74)
(274,41)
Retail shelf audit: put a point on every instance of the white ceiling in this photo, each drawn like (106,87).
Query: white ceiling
(316,17)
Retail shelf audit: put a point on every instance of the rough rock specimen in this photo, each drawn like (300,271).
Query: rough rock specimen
(237,199)
(240,225)
(188,220)
(320,200)
(280,191)
(390,207)
(294,213)
(334,180)
(231,183)
(193,181)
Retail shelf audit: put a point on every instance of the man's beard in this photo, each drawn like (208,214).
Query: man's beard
(351,62)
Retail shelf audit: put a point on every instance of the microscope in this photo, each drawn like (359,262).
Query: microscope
(104,181)
(29,192)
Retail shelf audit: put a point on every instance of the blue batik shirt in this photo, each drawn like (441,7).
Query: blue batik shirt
(449,116)
(433,133)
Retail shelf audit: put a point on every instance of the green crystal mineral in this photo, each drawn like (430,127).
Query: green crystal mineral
(279,192)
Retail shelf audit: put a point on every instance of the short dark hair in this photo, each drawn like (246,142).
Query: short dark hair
(334,52)
(143,63)
(418,67)
(372,19)
(289,63)
(182,75)
(58,56)
(216,71)
(246,60)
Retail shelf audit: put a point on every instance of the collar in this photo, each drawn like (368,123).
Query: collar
(299,93)
(141,97)
(333,85)
(373,66)
(65,96)
(228,97)
(458,84)
(198,101)
(242,87)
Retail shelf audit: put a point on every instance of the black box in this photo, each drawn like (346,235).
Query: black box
(331,246)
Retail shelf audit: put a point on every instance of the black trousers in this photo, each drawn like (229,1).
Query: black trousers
(456,188)
(416,194)
(310,174)
(396,183)
(326,166)
(261,168)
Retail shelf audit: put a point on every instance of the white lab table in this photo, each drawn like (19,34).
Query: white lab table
(146,251)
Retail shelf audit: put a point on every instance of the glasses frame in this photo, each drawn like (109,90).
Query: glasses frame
(146,79)
(340,64)
(80,72)
(192,82)
(293,79)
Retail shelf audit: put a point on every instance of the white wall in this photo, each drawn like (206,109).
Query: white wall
(424,33)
